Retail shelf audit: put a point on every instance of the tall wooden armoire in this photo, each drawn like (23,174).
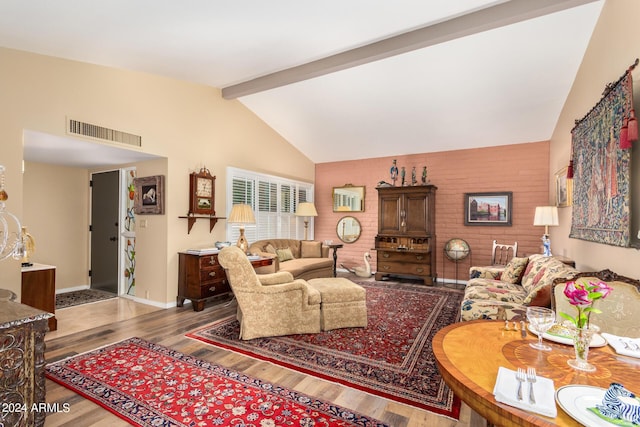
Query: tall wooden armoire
(406,232)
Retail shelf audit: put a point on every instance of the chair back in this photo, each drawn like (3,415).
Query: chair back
(502,253)
(618,308)
(240,272)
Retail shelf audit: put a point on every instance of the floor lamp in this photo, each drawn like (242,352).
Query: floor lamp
(242,214)
(546,215)
(306,209)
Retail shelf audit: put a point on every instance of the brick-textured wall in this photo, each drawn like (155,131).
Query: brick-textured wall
(520,168)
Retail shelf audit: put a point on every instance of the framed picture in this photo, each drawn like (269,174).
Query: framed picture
(149,196)
(487,208)
(564,196)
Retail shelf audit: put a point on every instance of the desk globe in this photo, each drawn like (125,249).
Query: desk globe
(456,249)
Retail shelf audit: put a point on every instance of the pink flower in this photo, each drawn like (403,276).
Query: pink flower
(583,297)
(577,294)
(601,287)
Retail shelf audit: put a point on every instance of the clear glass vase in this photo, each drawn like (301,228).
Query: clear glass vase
(581,341)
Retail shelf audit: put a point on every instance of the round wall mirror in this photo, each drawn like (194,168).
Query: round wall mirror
(348,229)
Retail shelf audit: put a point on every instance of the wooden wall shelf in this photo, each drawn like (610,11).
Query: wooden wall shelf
(191,219)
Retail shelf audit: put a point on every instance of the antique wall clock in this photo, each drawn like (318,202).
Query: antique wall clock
(202,191)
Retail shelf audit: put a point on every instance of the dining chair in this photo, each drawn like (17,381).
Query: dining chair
(502,253)
(619,309)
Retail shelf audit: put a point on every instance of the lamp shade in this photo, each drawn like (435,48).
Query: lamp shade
(306,209)
(241,214)
(546,215)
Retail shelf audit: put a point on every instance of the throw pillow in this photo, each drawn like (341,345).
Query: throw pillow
(514,269)
(269,248)
(284,254)
(540,297)
(310,249)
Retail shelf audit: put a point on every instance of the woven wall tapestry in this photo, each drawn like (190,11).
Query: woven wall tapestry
(601,175)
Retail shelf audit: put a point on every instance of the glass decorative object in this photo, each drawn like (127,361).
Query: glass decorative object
(581,341)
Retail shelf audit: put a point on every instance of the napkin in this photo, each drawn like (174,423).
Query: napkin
(618,344)
(505,391)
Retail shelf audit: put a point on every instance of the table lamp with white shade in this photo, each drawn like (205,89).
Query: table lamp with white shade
(306,209)
(242,214)
(546,215)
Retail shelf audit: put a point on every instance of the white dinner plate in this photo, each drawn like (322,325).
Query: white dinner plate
(596,341)
(576,400)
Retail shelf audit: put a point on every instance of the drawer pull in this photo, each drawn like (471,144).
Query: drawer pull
(212,261)
(419,257)
(212,289)
(213,273)
(386,267)
(419,270)
(385,255)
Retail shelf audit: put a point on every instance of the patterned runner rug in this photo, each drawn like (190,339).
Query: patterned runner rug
(150,385)
(84,296)
(391,358)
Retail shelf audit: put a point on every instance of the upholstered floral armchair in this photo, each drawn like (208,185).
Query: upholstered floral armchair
(270,304)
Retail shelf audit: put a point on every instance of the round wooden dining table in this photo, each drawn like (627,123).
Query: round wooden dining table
(469,354)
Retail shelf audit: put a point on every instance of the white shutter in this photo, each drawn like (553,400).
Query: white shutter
(274,201)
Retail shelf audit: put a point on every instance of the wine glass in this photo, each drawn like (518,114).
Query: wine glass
(540,319)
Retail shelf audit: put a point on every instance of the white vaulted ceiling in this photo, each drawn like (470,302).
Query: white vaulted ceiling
(476,72)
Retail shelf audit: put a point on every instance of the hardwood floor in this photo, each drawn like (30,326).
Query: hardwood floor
(83,328)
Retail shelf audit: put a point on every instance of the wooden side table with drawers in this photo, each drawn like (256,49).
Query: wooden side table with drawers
(201,277)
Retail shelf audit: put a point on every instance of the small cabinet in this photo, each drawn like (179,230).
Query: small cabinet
(39,289)
(200,277)
(406,232)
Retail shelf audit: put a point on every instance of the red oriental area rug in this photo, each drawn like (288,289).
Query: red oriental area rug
(150,385)
(391,358)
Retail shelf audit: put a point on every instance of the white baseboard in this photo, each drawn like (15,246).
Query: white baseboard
(149,302)
(452,281)
(75,288)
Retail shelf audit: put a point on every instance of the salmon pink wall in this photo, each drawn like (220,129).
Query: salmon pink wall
(520,168)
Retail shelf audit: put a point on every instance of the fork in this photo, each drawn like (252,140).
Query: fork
(521,377)
(531,377)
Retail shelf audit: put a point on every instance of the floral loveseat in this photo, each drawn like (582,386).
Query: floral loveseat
(503,293)
(304,259)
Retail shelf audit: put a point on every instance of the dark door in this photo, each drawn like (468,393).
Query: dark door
(104,231)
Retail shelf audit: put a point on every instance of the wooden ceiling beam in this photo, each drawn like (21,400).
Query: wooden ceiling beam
(495,16)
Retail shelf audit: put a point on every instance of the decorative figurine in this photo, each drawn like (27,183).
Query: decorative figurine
(394,172)
(414,181)
(402,173)
(546,245)
(424,175)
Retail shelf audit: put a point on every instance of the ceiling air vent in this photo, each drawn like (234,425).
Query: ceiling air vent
(93,131)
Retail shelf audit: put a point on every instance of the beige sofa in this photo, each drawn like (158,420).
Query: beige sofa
(504,293)
(308,259)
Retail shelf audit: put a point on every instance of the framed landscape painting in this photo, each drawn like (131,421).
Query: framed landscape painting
(487,208)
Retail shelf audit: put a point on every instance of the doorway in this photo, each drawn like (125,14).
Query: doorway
(105,231)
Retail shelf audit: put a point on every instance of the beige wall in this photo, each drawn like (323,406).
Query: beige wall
(186,123)
(614,46)
(55,212)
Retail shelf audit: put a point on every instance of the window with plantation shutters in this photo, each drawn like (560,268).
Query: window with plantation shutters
(274,201)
